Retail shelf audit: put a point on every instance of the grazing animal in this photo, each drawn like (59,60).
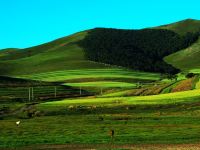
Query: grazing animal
(17,123)
(112,133)
(71,107)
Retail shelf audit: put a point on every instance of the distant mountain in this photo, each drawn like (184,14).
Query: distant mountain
(135,49)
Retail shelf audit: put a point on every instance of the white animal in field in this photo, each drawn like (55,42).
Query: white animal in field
(17,123)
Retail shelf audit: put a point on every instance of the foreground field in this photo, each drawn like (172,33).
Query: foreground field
(114,147)
(89,129)
(117,147)
(136,125)
(160,119)
(138,122)
(170,118)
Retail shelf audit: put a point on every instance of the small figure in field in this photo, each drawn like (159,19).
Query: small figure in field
(112,133)
(17,123)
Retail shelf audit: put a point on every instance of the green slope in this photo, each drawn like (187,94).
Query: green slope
(60,54)
(186,59)
(6,52)
(89,75)
(183,27)
(66,54)
(169,98)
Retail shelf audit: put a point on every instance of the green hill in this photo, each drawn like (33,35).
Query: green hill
(136,49)
(186,59)
(141,50)
(7,52)
(183,27)
(61,54)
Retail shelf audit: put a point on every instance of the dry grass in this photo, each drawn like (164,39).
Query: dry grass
(115,147)
(184,85)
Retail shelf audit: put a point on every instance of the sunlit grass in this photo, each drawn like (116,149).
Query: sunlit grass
(169,98)
(92,73)
(198,85)
(101,84)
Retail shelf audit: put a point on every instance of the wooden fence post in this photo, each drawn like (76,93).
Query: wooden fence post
(29,94)
(80,91)
(32,95)
(55,90)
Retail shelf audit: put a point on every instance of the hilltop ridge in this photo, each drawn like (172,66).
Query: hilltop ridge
(67,52)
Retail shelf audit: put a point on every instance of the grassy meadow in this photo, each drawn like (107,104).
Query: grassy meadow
(82,75)
(132,103)
(168,118)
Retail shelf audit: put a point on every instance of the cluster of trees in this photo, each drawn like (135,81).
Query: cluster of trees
(136,49)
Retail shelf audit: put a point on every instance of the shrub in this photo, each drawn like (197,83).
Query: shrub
(190,75)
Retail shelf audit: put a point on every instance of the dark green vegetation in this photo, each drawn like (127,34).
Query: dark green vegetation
(18,82)
(79,101)
(137,49)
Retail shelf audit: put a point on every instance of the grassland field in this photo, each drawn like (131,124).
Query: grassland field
(101,84)
(166,118)
(67,75)
(96,80)
(161,119)
(169,118)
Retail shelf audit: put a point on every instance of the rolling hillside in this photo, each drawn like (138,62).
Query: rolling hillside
(187,59)
(68,54)
(6,52)
(183,27)
(61,54)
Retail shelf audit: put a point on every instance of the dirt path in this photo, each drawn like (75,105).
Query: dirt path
(113,147)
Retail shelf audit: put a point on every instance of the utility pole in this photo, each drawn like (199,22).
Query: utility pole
(29,94)
(80,91)
(32,94)
(55,91)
